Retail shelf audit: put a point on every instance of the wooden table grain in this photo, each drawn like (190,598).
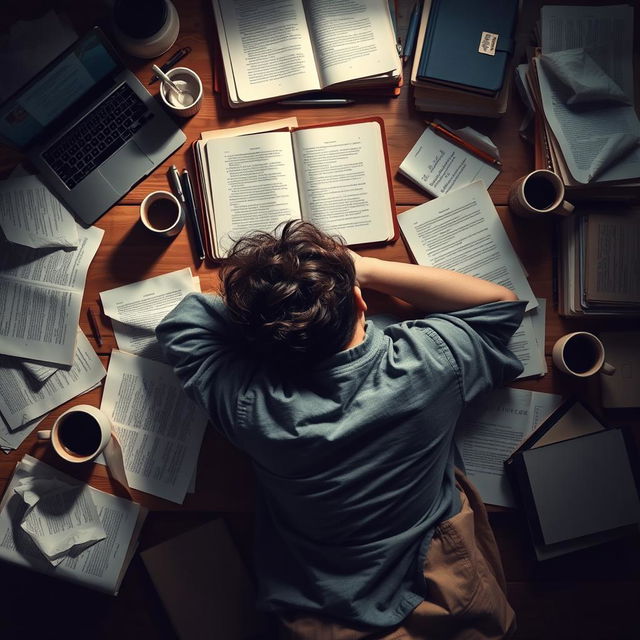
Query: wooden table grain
(128,253)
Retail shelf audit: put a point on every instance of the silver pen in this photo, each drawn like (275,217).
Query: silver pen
(325,102)
(174,179)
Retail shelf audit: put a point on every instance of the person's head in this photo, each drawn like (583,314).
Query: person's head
(292,292)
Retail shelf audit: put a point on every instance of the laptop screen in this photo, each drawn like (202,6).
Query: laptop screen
(65,81)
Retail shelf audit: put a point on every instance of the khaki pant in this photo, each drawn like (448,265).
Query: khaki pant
(465,587)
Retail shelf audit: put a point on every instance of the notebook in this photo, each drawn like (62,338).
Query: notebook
(573,478)
(468,44)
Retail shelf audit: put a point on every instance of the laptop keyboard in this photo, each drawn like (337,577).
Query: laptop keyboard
(97,136)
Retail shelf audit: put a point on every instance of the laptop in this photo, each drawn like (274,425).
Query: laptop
(89,126)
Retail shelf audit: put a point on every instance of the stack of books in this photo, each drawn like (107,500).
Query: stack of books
(597,262)
(464,56)
(581,85)
(273,51)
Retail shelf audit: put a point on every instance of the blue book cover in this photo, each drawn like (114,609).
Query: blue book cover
(468,43)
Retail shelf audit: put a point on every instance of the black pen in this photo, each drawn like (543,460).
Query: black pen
(176,57)
(193,212)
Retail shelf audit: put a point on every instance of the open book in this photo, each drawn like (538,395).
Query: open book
(335,176)
(270,50)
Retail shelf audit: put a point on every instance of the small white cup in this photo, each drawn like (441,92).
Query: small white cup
(80,434)
(190,83)
(539,193)
(580,354)
(162,213)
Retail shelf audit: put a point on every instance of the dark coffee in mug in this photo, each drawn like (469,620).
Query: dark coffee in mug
(540,192)
(162,213)
(580,354)
(79,434)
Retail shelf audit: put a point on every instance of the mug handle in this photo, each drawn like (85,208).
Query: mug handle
(566,208)
(44,435)
(608,369)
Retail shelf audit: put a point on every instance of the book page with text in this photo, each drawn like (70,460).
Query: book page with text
(253,181)
(342,180)
(269,48)
(352,39)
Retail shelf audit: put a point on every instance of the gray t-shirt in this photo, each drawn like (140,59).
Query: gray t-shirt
(353,457)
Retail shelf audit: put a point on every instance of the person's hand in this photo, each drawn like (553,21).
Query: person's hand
(359,263)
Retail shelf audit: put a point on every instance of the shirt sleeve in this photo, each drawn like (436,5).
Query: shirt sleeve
(204,348)
(477,340)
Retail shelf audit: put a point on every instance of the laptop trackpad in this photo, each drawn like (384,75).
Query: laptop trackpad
(126,166)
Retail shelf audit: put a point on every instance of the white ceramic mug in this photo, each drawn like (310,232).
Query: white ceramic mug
(80,434)
(188,81)
(162,213)
(539,193)
(580,354)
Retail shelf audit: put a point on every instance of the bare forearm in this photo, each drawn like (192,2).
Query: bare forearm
(428,288)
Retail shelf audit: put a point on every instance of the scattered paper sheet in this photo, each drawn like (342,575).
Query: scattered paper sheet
(490,429)
(32,216)
(525,346)
(41,298)
(102,565)
(61,518)
(462,231)
(137,309)
(39,371)
(439,165)
(11,439)
(21,401)
(159,428)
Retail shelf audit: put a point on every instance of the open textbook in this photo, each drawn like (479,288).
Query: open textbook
(159,428)
(336,176)
(274,49)
(101,566)
(136,309)
(41,297)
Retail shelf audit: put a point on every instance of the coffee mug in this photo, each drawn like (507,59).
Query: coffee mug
(189,102)
(539,193)
(80,434)
(162,213)
(580,354)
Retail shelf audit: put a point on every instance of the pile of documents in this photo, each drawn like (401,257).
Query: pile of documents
(52,523)
(598,272)
(44,257)
(580,82)
(160,429)
(460,66)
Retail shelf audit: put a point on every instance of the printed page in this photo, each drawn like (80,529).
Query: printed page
(136,309)
(32,216)
(351,39)
(13,438)
(488,432)
(606,32)
(102,565)
(611,257)
(22,401)
(42,293)
(253,181)
(524,345)
(269,49)
(462,231)
(440,166)
(343,181)
(159,429)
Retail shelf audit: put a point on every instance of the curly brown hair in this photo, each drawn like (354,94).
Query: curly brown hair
(292,292)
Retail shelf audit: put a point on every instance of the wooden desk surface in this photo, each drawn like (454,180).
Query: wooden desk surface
(128,253)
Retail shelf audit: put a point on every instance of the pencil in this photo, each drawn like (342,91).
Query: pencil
(412,31)
(94,327)
(483,155)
